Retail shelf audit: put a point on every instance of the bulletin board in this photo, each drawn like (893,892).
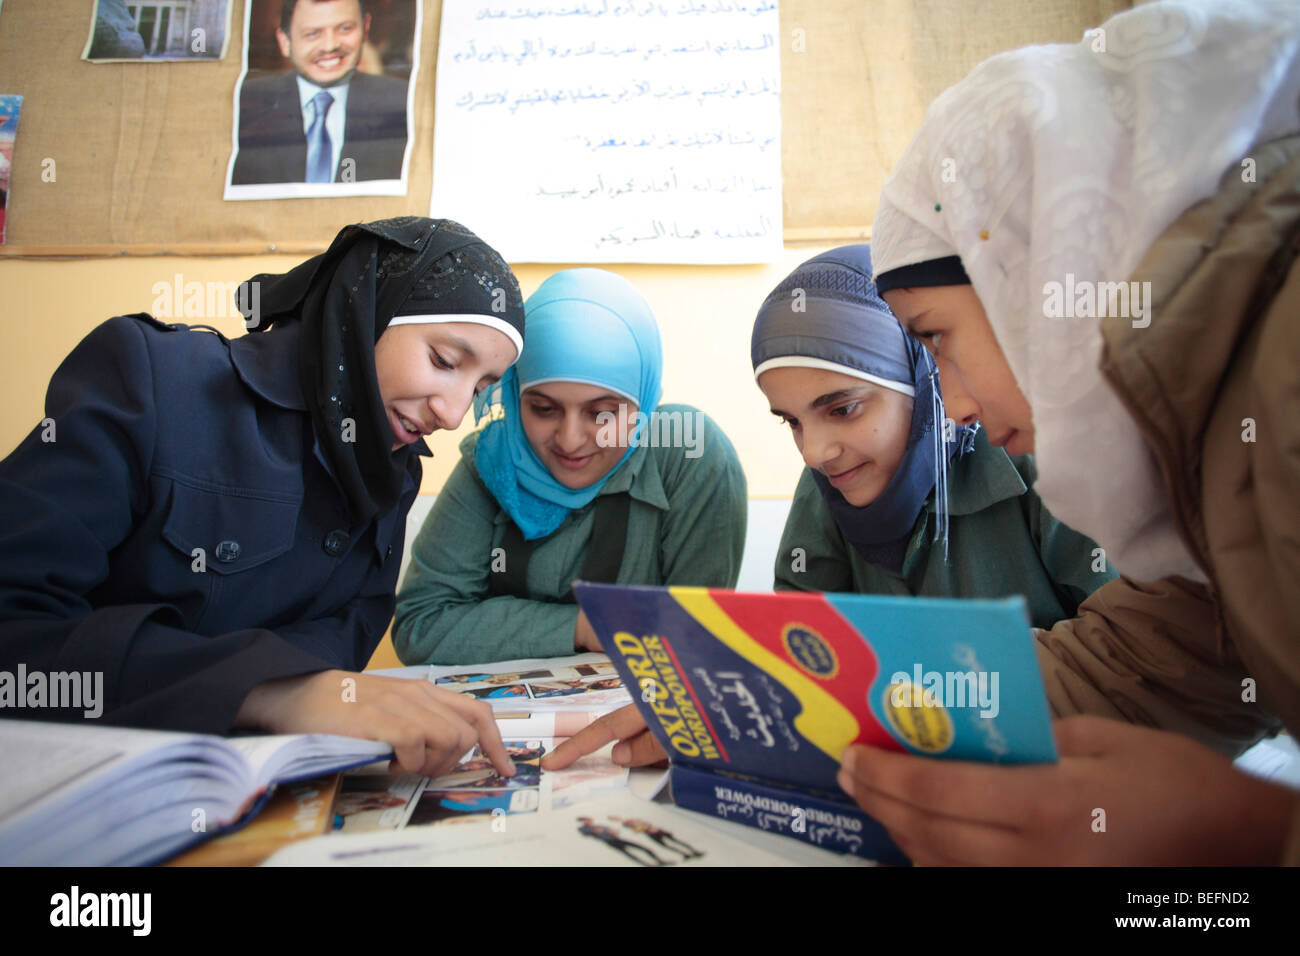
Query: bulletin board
(130,158)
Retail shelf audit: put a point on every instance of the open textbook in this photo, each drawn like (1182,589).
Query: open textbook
(372,799)
(295,811)
(581,683)
(103,796)
(616,830)
(137,796)
(590,684)
(755,697)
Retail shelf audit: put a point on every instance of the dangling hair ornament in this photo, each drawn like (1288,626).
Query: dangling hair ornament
(940,459)
(964,438)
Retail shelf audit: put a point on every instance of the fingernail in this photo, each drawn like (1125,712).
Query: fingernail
(845,781)
(849,760)
(621,753)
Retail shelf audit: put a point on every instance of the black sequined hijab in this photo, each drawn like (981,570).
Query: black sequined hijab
(345,299)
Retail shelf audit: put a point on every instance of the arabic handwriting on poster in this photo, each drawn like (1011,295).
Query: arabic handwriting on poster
(662,182)
(534,50)
(605,8)
(612,130)
(656,229)
(705,138)
(613,94)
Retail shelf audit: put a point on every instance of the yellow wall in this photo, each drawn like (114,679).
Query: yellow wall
(705,314)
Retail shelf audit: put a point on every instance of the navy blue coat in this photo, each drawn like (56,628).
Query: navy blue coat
(182,533)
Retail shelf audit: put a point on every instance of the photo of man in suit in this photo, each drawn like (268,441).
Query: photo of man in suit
(326,121)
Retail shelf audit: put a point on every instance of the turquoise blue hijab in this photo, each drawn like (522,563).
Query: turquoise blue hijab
(584,325)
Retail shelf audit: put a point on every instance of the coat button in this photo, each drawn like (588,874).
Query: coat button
(336,542)
(228,551)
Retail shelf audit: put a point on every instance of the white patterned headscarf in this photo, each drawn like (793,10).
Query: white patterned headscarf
(1062,161)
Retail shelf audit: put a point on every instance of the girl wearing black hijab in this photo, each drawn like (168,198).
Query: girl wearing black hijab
(213,527)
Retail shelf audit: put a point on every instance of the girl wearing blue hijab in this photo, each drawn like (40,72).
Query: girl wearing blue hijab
(900,496)
(599,333)
(576,472)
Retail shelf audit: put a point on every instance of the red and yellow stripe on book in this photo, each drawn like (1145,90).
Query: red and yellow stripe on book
(796,649)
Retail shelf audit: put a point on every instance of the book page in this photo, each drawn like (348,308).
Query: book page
(40,758)
(35,768)
(473,788)
(620,830)
(473,792)
(274,757)
(586,683)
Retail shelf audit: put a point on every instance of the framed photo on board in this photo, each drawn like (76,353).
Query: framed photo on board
(323,107)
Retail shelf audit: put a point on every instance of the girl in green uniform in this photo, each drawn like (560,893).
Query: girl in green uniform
(899,498)
(902,494)
(576,475)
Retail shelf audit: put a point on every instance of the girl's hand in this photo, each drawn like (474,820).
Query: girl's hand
(429,729)
(584,638)
(636,746)
(1121,794)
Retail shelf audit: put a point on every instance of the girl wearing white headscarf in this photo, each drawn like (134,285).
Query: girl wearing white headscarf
(1097,238)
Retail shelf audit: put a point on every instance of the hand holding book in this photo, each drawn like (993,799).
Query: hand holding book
(756,697)
(1092,807)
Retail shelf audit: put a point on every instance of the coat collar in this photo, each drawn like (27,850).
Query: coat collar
(268,364)
(638,480)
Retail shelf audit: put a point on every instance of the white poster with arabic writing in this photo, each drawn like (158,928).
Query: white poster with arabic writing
(611,130)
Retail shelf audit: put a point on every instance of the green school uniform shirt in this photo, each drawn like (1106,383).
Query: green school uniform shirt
(686,526)
(1001,541)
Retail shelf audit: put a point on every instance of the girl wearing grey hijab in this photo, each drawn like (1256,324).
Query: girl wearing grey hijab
(891,472)
(898,497)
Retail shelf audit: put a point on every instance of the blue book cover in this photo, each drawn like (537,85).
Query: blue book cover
(776,686)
